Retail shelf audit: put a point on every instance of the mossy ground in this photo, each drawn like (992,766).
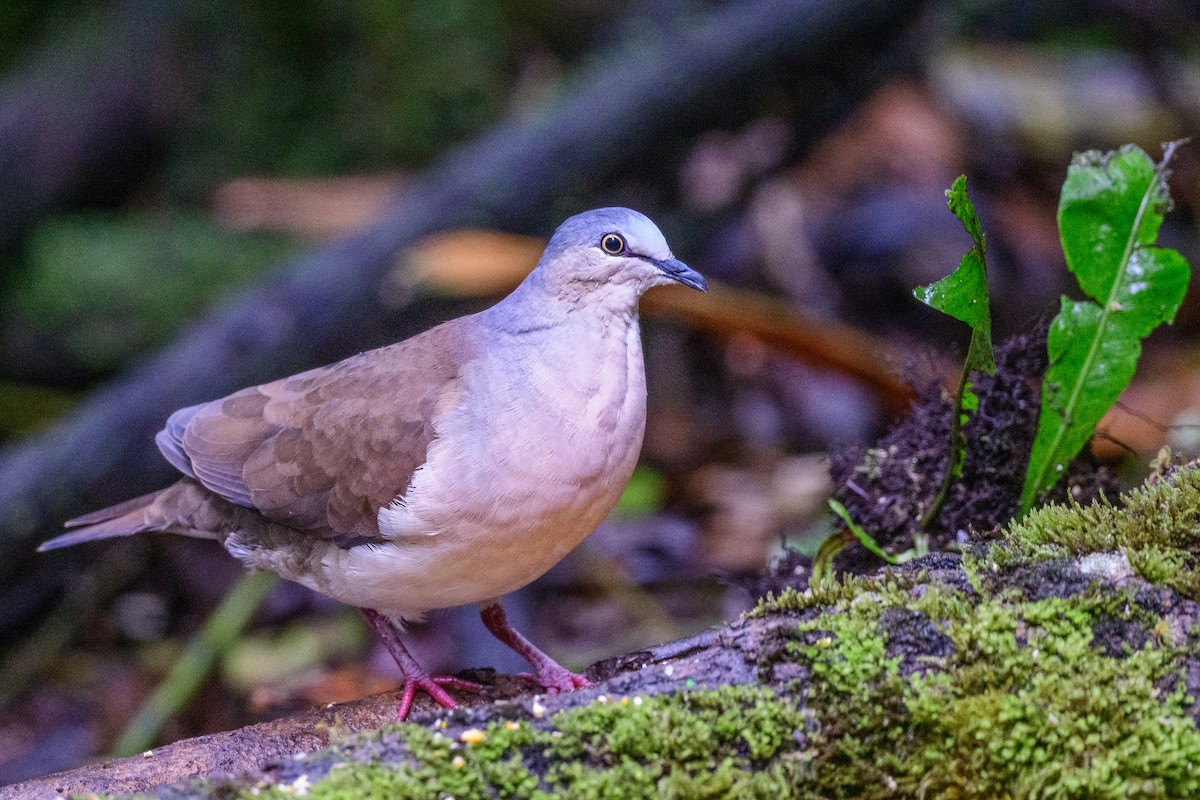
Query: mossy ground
(1025,704)
(1065,678)
(984,677)
(1020,670)
(729,742)
(1157,528)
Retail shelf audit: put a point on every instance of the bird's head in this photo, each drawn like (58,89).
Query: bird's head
(614,249)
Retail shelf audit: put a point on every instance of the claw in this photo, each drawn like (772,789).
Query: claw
(557,678)
(432,686)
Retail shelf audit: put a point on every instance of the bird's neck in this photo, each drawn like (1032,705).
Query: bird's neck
(609,309)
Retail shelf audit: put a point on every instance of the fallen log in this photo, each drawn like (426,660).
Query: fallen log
(951,676)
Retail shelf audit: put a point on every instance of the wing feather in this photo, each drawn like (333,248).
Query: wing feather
(170,440)
(322,451)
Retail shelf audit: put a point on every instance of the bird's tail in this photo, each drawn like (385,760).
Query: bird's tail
(185,508)
(123,519)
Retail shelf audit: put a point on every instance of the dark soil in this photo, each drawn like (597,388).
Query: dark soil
(888,486)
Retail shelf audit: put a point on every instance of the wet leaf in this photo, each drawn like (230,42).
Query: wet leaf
(963,294)
(1109,214)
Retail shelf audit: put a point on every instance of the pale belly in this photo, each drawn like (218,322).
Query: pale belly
(470,564)
(519,487)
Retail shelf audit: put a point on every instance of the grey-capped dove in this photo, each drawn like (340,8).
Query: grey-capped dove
(450,468)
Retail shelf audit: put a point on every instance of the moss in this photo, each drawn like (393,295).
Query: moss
(841,591)
(727,742)
(1157,526)
(1168,566)
(1025,706)
(1027,702)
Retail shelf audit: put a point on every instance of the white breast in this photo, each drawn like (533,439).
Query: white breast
(512,484)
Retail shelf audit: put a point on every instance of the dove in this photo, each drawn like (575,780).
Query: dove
(447,469)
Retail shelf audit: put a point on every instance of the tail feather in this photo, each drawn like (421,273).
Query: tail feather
(185,508)
(123,519)
(112,512)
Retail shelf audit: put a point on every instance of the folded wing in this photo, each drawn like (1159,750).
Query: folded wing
(322,451)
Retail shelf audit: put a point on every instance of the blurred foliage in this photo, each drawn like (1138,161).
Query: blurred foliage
(271,658)
(304,88)
(26,22)
(112,285)
(221,632)
(643,495)
(25,408)
(320,87)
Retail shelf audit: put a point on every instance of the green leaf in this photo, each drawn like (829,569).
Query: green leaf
(1111,208)
(963,294)
(860,533)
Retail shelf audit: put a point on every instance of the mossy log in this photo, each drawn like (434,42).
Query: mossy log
(1059,660)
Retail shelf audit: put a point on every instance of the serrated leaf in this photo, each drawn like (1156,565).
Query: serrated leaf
(1111,208)
(960,205)
(963,294)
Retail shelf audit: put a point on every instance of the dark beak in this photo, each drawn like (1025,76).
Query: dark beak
(677,270)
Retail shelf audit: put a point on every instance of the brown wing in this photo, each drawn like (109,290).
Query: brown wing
(322,451)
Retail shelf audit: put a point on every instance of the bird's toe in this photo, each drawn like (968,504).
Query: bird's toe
(556,678)
(433,685)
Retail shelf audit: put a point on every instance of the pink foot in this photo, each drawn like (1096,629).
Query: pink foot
(557,678)
(432,686)
(415,677)
(556,681)
(548,672)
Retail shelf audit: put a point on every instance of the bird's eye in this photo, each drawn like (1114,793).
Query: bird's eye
(612,243)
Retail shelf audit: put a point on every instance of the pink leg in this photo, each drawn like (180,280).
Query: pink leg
(415,677)
(548,672)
